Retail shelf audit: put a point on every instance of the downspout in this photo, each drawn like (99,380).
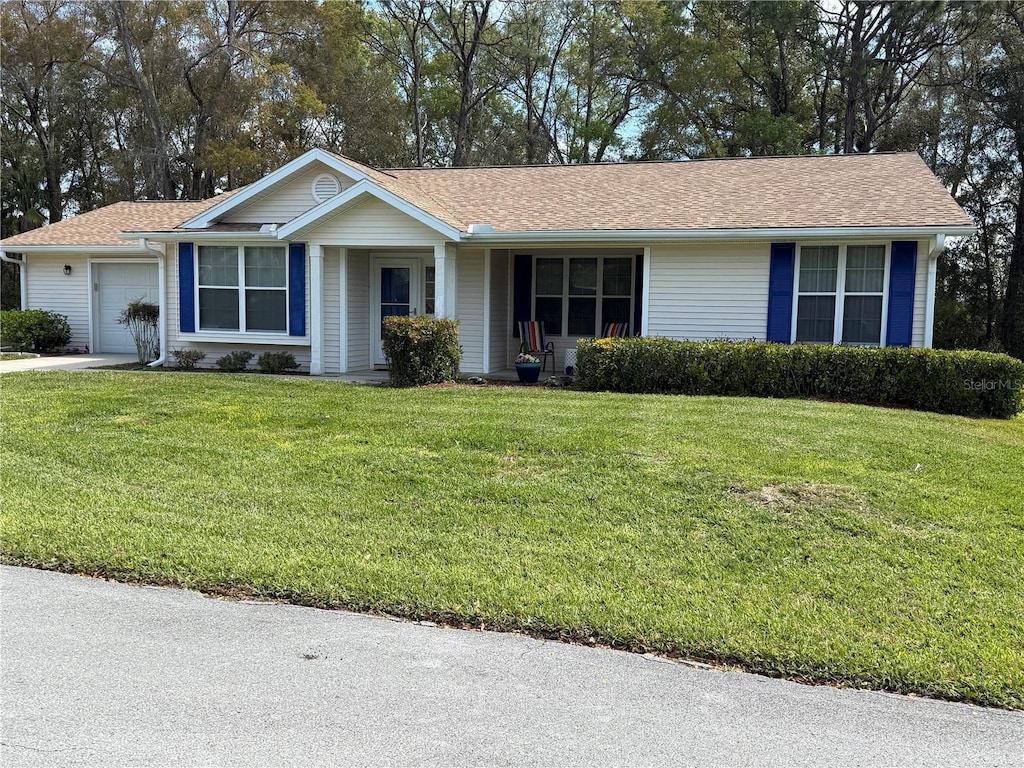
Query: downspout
(161,282)
(22,276)
(929,300)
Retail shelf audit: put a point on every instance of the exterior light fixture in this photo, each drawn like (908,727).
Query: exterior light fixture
(67,269)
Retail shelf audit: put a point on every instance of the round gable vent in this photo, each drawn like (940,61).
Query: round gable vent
(325,186)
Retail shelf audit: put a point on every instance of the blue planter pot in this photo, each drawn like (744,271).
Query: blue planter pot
(528,372)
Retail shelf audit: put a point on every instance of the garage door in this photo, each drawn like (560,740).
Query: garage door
(116,285)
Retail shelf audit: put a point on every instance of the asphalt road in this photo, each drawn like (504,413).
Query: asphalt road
(96,673)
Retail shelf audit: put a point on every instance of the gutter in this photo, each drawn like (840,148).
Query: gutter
(22,274)
(162,290)
(635,236)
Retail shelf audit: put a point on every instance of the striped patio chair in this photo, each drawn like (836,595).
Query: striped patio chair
(531,332)
(616,330)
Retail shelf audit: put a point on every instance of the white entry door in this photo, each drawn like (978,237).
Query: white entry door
(114,286)
(396,291)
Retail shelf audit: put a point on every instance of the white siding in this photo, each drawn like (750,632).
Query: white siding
(285,201)
(373,222)
(50,289)
(709,291)
(500,312)
(920,294)
(177,340)
(332,311)
(469,305)
(358,310)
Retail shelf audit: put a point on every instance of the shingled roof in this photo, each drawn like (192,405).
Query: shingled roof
(834,191)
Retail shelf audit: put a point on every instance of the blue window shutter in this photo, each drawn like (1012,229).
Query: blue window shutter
(186,288)
(522,291)
(902,271)
(296,289)
(780,292)
(638,294)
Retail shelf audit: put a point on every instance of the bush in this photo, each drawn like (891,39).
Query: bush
(33,330)
(188,358)
(235,361)
(277,362)
(421,350)
(965,383)
(141,317)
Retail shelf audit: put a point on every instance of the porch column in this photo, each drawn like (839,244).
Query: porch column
(343,309)
(487,312)
(445,280)
(316,309)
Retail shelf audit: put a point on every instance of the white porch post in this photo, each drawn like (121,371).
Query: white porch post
(645,294)
(487,312)
(343,309)
(929,297)
(445,280)
(316,309)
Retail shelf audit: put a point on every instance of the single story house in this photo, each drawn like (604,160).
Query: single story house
(312,257)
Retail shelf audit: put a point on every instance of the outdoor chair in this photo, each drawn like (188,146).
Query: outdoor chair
(616,330)
(531,333)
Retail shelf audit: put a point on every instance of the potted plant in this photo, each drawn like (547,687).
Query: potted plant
(528,368)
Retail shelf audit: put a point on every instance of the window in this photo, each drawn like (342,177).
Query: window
(582,295)
(243,288)
(840,292)
(429,290)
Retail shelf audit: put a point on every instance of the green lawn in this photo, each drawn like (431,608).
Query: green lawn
(821,541)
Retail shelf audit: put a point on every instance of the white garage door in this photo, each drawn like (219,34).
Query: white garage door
(116,285)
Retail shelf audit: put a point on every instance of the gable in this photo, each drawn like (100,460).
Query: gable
(287,199)
(370,221)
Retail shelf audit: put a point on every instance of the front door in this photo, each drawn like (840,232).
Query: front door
(396,292)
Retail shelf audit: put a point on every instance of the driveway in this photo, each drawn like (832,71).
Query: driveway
(64,362)
(96,673)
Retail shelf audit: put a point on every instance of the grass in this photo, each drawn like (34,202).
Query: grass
(820,541)
(5,356)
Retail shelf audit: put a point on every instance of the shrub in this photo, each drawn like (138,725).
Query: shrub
(33,330)
(965,383)
(141,317)
(277,362)
(188,358)
(235,361)
(421,350)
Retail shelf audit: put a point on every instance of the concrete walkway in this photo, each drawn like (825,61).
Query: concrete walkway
(64,362)
(95,673)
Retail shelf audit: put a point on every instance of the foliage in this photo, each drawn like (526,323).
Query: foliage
(142,318)
(965,383)
(276,362)
(526,357)
(187,359)
(823,541)
(33,330)
(235,361)
(421,350)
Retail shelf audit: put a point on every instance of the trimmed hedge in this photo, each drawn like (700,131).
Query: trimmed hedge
(965,383)
(33,330)
(421,350)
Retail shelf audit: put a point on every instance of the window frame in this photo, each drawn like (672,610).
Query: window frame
(598,297)
(241,288)
(841,293)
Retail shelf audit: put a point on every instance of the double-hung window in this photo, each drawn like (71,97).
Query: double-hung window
(840,292)
(579,296)
(243,288)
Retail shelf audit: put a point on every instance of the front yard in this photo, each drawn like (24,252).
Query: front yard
(826,542)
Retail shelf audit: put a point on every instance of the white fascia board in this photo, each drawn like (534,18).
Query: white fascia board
(297,165)
(92,250)
(366,187)
(198,236)
(634,236)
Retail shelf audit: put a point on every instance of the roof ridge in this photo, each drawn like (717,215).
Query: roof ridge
(607,163)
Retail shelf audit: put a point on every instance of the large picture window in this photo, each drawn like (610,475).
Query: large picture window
(243,288)
(840,292)
(579,296)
